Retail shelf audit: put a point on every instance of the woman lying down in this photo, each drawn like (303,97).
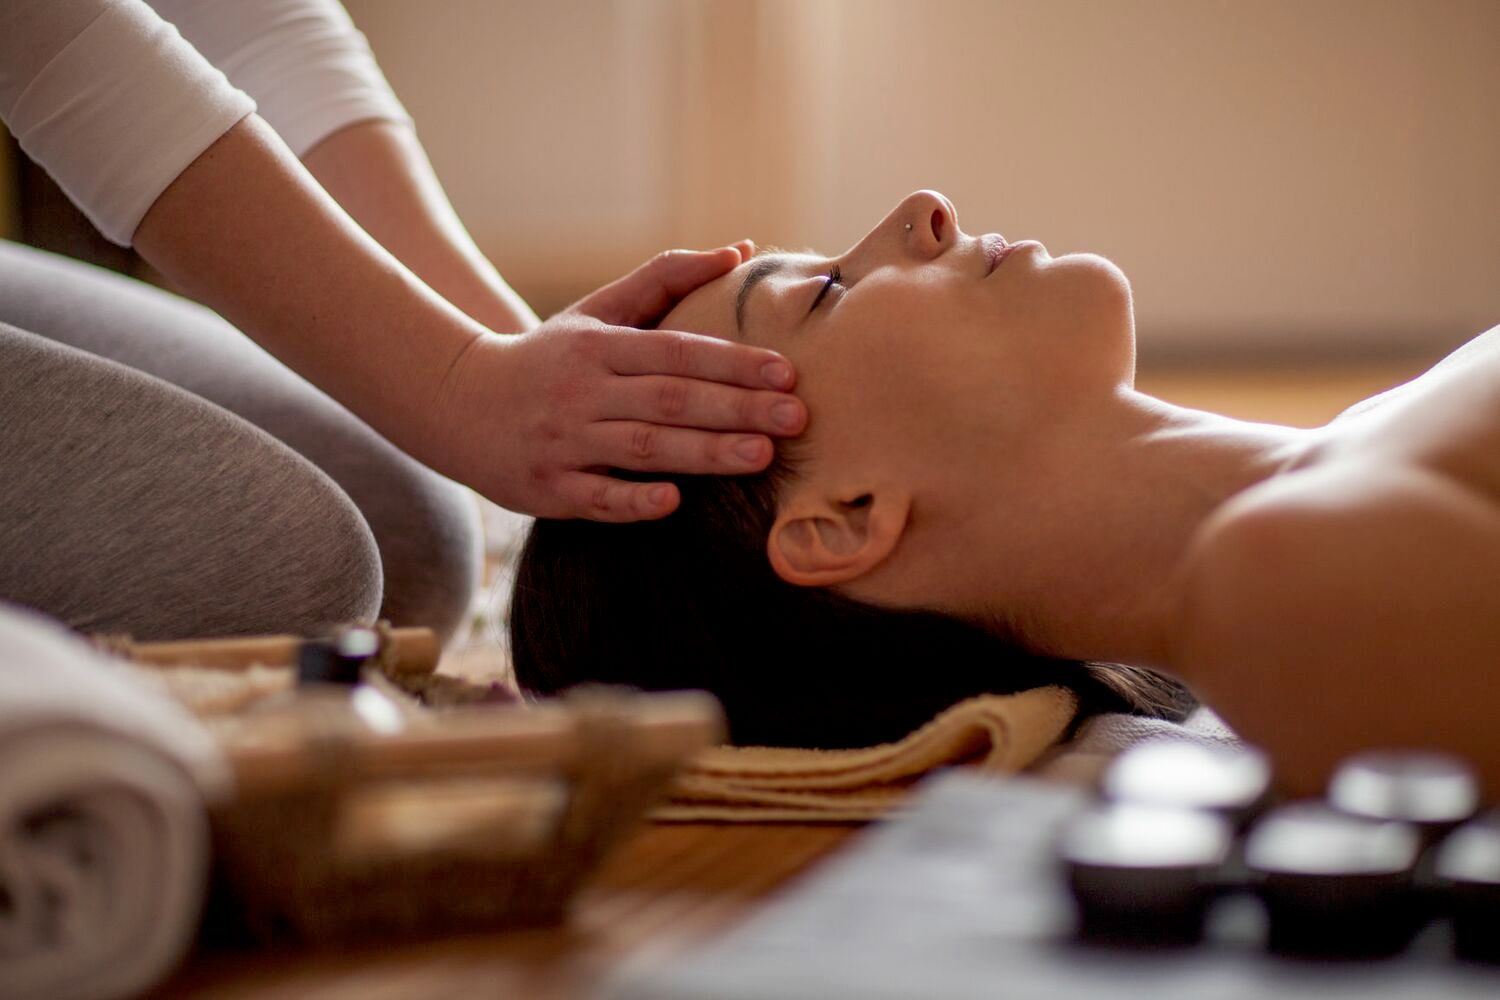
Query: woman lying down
(984,502)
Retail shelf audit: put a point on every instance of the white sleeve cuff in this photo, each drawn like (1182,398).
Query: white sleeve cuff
(309,69)
(120,111)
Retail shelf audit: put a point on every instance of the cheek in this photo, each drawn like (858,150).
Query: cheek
(895,351)
(862,379)
(891,394)
(1074,323)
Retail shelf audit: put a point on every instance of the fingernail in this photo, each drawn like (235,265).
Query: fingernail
(786,415)
(778,374)
(659,496)
(750,449)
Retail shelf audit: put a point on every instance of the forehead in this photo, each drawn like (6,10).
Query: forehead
(710,310)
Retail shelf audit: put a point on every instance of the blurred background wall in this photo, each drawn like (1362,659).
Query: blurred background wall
(1286,177)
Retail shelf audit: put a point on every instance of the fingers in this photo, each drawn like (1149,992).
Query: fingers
(643,447)
(645,295)
(667,352)
(600,498)
(688,402)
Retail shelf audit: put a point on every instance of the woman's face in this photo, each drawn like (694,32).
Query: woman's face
(913,347)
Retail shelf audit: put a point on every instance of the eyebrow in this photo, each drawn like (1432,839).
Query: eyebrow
(761,268)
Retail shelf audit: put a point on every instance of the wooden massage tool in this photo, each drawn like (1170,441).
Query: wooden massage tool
(399,650)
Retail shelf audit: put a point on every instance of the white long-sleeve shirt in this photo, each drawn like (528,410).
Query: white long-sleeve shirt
(115,99)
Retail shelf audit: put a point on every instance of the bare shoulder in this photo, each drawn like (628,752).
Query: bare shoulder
(1477,359)
(1330,505)
(1348,606)
(1353,546)
(1484,347)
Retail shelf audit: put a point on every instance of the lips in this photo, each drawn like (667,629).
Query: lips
(995,250)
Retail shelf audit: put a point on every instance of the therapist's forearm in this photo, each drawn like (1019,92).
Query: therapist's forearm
(380,174)
(246,230)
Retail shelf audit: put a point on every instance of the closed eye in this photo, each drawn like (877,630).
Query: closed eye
(835,277)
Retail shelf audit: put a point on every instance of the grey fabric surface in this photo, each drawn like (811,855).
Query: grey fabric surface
(162,475)
(961,898)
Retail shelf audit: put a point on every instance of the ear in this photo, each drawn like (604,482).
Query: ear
(819,541)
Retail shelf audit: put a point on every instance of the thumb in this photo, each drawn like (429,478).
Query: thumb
(648,293)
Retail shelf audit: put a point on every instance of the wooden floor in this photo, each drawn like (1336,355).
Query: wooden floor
(672,885)
(667,887)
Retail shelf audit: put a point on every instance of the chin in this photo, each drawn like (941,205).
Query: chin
(1097,285)
(1116,288)
(1094,268)
(1103,306)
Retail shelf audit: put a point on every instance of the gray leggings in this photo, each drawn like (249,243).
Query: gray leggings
(163,476)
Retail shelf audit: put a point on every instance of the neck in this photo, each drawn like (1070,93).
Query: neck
(1082,562)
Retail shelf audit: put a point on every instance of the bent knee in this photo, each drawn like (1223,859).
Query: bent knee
(146,510)
(432,555)
(291,555)
(329,572)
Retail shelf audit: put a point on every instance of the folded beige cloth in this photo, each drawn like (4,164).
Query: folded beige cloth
(996,733)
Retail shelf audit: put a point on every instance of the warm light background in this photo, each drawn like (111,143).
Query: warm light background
(1278,177)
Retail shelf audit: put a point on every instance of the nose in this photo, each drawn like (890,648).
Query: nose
(926,223)
(922,226)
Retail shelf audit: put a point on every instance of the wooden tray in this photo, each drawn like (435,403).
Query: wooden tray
(359,815)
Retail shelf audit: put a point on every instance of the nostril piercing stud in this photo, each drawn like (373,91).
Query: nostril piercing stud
(908,227)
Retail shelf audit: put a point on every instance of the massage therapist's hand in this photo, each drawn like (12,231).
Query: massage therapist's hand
(534,421)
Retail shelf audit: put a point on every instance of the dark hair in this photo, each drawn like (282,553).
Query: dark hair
(691,601)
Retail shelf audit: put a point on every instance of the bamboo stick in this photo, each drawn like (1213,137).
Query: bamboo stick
(414,651)
(662,729)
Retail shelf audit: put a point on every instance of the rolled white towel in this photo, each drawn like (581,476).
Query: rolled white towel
(103,833)
(1099,738)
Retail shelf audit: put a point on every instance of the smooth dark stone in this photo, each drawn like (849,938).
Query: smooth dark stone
(1143,875)
(1334,884)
